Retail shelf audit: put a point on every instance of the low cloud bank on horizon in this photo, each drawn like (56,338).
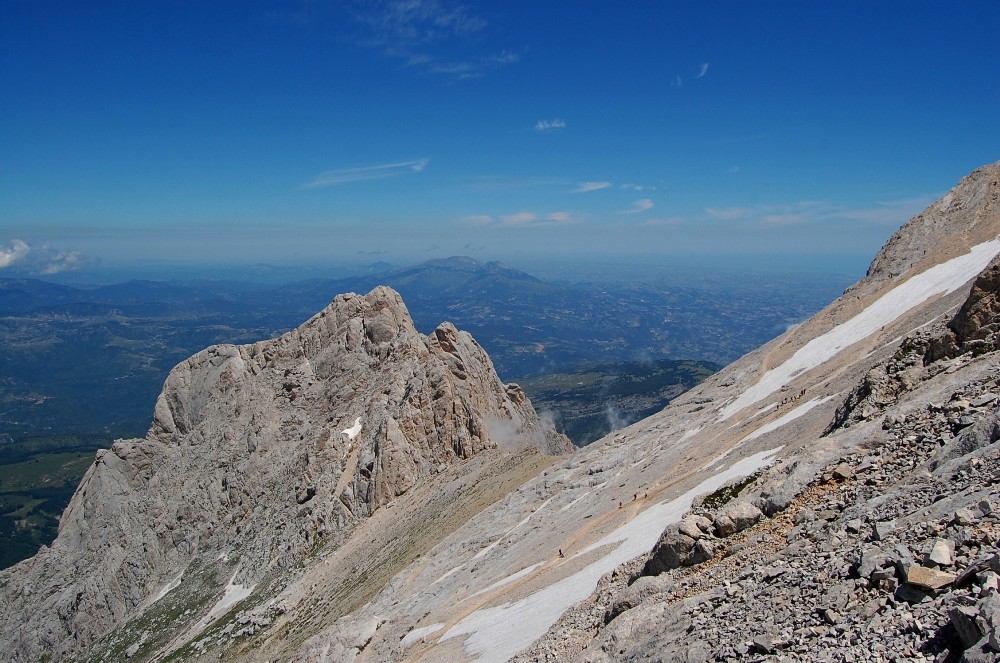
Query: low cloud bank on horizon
(44,261)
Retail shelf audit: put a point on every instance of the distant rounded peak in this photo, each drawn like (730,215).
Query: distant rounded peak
(453,262)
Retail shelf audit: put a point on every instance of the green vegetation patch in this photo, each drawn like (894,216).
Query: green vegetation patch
(597,398)
(728,493)
(38,476)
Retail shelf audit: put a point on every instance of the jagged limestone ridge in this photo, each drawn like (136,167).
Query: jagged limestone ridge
(248,460)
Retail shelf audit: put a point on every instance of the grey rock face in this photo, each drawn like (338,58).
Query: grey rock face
(974,328)
(259,453)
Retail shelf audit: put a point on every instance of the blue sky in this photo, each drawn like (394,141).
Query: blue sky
(309,131)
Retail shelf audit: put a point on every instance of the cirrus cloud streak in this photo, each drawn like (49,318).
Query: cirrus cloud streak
(519,219)
(365,173)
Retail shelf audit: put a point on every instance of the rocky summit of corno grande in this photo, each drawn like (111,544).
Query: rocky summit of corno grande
(257,455)
(353,491)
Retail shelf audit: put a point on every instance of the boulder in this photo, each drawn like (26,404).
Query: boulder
(736,517)
(670,552)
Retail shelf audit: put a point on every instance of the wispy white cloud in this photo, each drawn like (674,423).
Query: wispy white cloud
(525,218)
(416,21)
(423,34)
(636,187)
(364,173)
(639,206)
(702,70)
(61,261)
(548,126)
(885,213)
(678,81)
(14,253)
(785,219)
(585,187)
(734,169)
(893,212)
(42,260)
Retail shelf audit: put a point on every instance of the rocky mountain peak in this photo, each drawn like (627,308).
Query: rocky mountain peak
(965,216)
(259,453)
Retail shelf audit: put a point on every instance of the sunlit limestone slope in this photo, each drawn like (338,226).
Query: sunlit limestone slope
(258,456)
(503,580)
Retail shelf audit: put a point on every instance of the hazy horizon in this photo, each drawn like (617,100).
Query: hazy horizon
(842,269)
(333,133)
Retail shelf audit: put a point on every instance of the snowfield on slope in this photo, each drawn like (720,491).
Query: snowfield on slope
(938,280)
(496,634)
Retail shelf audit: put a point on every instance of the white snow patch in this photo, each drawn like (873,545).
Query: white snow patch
(763,410)
(487,549)
(940,279)
(353,431)
(789,416)
(688,435)
(490,547)
(454,570)
(509,579)
(498,633)
(419,633)
(172,585)
(232,595)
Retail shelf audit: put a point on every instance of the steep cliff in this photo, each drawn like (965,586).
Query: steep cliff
(259,454)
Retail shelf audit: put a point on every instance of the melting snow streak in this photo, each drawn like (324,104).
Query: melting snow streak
(418,633)
(941,279)
(496,634)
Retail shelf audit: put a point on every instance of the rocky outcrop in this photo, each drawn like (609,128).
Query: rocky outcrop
(966,215)
(259,453)
(697,537)
(890,552)
(976,326)
(884,384)
(975,329)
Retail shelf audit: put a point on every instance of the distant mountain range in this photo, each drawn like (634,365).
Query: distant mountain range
(92,359)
